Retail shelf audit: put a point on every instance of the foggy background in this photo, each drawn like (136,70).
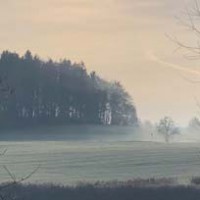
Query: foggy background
(119,39)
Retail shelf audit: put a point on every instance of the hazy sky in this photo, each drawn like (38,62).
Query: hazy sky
(120,39)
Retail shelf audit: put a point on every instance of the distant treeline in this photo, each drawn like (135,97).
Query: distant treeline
(34,91)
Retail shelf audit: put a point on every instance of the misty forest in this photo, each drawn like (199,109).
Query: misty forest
(49,92)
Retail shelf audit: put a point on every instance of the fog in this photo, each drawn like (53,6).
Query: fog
(185,135)
(145,133)
(74,133)
(69,154)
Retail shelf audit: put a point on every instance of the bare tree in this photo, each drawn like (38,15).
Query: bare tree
(13,180)
(191,21)
(194,124)
(167,128)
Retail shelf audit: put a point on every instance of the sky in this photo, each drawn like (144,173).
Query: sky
(122,40)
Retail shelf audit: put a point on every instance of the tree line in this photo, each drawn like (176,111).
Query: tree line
(35,91)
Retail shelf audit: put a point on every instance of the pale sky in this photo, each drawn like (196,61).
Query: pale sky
(122,40)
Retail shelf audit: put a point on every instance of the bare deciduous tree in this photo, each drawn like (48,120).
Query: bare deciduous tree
(167,128)
(14,181)
(194,124)
(191,21)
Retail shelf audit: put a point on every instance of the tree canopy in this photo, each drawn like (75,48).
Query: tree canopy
(46,92)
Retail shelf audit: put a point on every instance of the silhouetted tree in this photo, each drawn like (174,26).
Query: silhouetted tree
(59,92)
(190,20)
(194,124)
(167,128)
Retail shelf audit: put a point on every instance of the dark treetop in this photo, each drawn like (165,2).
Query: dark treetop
(34,91)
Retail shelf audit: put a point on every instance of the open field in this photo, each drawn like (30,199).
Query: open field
(67,156)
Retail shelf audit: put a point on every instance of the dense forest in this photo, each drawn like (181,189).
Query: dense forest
(34,91)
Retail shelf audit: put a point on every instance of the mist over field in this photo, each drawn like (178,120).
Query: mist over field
(72,154)
(99,100)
